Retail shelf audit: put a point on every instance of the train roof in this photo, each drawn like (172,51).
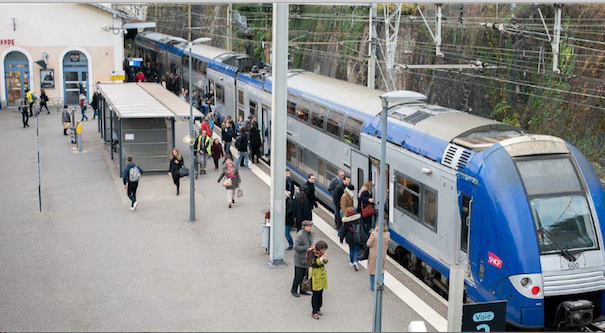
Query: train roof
(209,52)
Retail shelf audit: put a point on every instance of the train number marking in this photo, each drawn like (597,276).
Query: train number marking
(573,265)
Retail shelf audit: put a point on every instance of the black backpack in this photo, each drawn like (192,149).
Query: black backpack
(360,237)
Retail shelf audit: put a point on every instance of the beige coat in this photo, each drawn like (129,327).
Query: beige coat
(373,245)
(345,202)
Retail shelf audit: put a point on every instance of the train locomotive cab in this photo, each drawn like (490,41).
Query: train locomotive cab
(539,244)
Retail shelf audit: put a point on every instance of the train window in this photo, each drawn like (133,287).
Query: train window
(292,101)
(240,97)
(352,131)
(321,172)
(360,178)
(331,172)
(465,218)
(253,108)
(408,196)
(333,126)
(302,110)
(537,175)
(291,152)
(318,116)
(203,67)
(311,160)
(301,158)
(220,94)
(430,208)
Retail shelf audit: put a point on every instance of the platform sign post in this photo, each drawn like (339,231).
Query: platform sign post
(278,135)
(484,317)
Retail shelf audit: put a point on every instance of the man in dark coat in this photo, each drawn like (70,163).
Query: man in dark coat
(289,184)
(334,183)
(255,143)
(227,136)
(310,189)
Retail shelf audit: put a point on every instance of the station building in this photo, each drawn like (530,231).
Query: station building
(79,44)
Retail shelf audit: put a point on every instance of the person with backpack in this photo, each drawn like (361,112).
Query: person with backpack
(176,163)
(43,101)
(372,243)
(83,107)
(302,242)
(131,176)
(242,147)
(217,152)
(66,118)
(352,231)
(255,142)
(319,276)
(203,145)
(231,179)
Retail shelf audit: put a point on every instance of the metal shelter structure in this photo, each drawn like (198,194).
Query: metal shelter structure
(136,124)
(171,101)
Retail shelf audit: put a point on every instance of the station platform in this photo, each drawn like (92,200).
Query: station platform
(89,263)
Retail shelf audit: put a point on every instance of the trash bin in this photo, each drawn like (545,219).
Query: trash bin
(266,232)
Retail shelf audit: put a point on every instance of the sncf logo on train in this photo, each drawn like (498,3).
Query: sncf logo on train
(494,260)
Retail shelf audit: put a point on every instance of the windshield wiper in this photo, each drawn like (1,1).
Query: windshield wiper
(564,251)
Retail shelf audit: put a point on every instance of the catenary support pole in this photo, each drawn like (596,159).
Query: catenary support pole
(372,62)
(556,39)
(438,31)
(191,164)
(229,27)
(377,325)
(278,134)
(189,22)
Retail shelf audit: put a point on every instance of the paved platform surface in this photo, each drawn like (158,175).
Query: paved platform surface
(89,263)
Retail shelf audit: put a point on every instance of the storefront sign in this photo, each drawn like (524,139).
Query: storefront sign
(7,42)
(47,77)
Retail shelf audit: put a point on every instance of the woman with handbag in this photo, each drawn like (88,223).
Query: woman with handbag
(366,205)
(231,179)
(372,244)
(176,163)
(319,276)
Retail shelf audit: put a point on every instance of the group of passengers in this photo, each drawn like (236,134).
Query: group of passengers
(356,225)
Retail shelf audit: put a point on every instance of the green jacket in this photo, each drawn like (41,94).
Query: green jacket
(318,273)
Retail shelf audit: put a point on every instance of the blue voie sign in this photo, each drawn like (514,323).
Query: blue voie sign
(484,317)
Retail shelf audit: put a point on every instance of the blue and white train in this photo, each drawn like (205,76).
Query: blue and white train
(524,214)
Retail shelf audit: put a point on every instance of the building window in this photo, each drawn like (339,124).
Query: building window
(318,116)
(303,110)
(352,132)
(333,126)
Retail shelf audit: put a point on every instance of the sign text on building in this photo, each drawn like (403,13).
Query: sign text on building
(7,42)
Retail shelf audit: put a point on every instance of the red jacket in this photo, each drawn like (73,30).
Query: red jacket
(141,77)
(206,127)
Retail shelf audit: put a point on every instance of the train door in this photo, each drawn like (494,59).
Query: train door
(465,206)
(446,228)
(359,169)
(375,178)
(241,111)
(266,128)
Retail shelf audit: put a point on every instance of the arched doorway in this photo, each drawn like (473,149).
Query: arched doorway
(75,76)
(16,76)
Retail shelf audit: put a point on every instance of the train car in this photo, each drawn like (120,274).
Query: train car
(523,214)
(161,49)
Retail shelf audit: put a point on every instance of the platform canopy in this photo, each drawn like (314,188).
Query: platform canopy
(171,101)
(129,100)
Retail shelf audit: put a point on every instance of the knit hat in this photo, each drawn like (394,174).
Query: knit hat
(350,212)
(306,223)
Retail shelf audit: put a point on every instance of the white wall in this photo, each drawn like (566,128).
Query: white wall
(57,29)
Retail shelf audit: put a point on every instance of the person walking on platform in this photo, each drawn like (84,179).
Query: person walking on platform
(205,126)
(131,176)
(336,197)
(231,179)
(176,163)
(310,189)
(95,104)
(290,184)
(255,142)
(83,107)
(29,96)
(290,205)
(366,205)
(203,146)
(352,231)
(372,243)
(348,199)
(227,135)
(242,147)
(217,152)
(319,276)
(44,101)
(23,106)
(302,208)
(302,242)
(334,184)
(66,118)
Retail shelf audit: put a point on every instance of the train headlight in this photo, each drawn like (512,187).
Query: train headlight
(528,285)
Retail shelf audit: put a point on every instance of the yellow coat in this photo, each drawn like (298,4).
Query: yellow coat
(29,97)
(318,273)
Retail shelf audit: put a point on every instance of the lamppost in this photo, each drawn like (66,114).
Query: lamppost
(393,98)
(191,133)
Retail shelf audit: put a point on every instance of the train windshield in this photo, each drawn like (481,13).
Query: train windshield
(558,203)
(563,222)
